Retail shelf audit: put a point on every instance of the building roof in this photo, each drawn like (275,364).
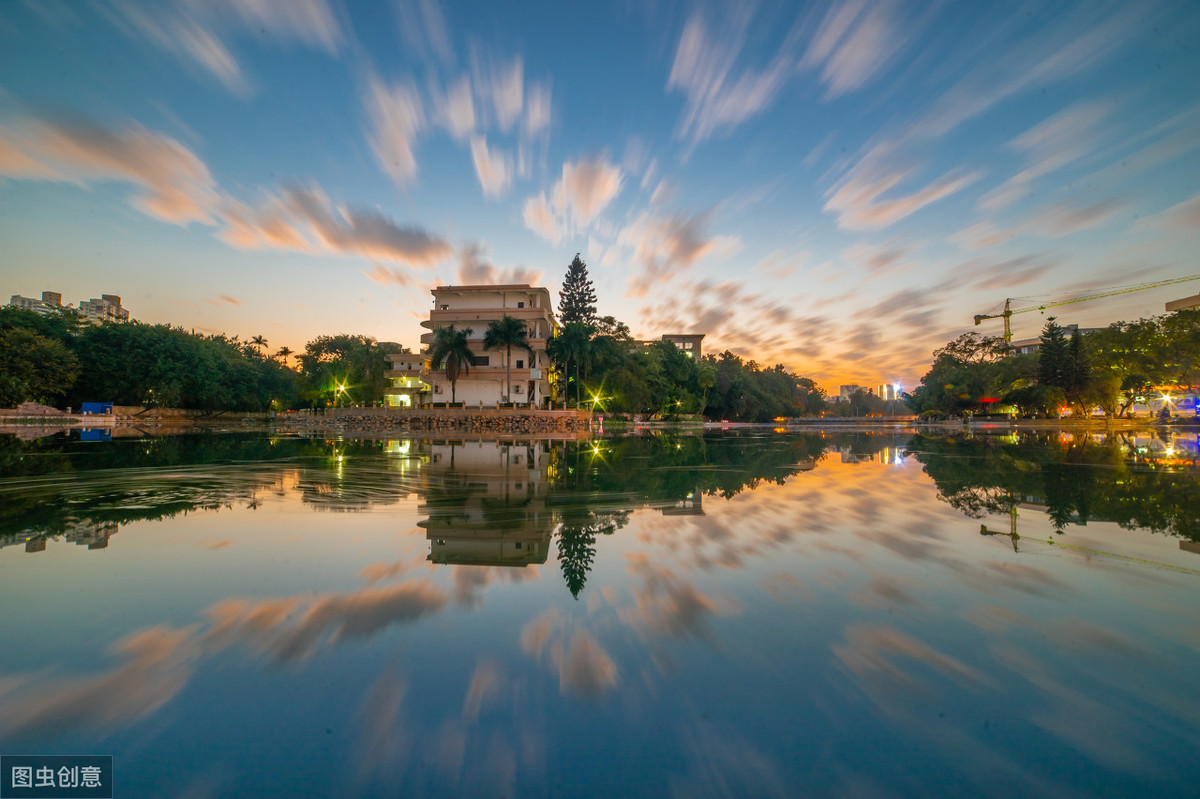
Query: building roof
(493,287)
(1183,304)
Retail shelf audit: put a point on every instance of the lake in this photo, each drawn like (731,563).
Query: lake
(748,613)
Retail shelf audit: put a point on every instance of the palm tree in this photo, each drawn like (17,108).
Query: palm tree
(571,346)
(450,349)
(506,332)
(285,353)
(258,342)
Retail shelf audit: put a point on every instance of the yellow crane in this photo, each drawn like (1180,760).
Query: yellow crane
(1008,311)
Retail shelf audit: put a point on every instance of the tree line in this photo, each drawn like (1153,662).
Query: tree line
(1111,368)
(600,365)
(61,360)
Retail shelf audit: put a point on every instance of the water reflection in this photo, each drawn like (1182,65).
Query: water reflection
(1138,481)
(768,613)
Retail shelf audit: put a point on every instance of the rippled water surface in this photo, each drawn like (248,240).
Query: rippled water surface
(744,614)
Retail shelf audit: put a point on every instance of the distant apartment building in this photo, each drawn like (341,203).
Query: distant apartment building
(1185,304)
(846,392)
(688,343)
(483,383)
(888,392)
(1028,346)
(106,309)
(51,302)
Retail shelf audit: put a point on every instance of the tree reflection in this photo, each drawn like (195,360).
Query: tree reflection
(1138,482)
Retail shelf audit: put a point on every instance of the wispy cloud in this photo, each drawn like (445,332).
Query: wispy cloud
(199,31)
(494,168)
(576,200)
(396,118)
(1066,218)
(537,108)
(224,299)
(1051,53)
(1182,217)
(423,29)
(501,86)
(719,96)
(665,246)
(304,220)
(871,197)
(175,184)
(455,110)
(1065,137)
(878,259)
(853,44)
(474,268)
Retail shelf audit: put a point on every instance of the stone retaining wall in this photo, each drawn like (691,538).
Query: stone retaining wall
(457,420)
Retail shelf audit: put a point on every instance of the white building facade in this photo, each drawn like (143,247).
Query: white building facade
(484,383)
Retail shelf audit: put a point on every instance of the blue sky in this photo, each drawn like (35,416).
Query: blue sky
(836,187)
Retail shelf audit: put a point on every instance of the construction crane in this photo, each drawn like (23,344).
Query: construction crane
(1008,311)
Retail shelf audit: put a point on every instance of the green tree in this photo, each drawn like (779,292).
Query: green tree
(506,332)
(706,378)
(355,361)
(577,298)
(1181,353)
(451,350)
(967,370)
(571,348)
(34,367)
(259,343)
(284,353)
(1054,368)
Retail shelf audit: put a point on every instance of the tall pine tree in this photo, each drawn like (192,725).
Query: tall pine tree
(577,299)
(1054,367)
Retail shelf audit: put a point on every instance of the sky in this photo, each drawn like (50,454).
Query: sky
(838,187)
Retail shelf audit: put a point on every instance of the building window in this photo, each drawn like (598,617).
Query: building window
(520,305)
(517,389)
(437,389)
(520,364)
(445,307)
(480,360)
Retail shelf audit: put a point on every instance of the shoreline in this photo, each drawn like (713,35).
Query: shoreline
(498,422)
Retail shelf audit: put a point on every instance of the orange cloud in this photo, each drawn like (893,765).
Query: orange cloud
(304,220)
(175,185)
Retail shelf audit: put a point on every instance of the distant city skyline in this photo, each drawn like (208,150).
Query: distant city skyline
(835,187)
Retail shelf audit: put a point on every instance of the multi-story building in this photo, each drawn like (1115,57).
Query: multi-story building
(51,302)
(688,342)
(472,308)
(106,309)
(1028,346)
(410,380)
(1184,304)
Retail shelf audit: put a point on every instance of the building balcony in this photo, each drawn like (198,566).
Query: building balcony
(538,344)
(465,316)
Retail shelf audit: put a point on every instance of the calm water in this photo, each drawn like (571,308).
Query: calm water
(755,614)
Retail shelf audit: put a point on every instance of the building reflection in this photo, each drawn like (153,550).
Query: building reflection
(485,503)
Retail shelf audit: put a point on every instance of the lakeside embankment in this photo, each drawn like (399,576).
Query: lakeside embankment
(503,421)
(37,422)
